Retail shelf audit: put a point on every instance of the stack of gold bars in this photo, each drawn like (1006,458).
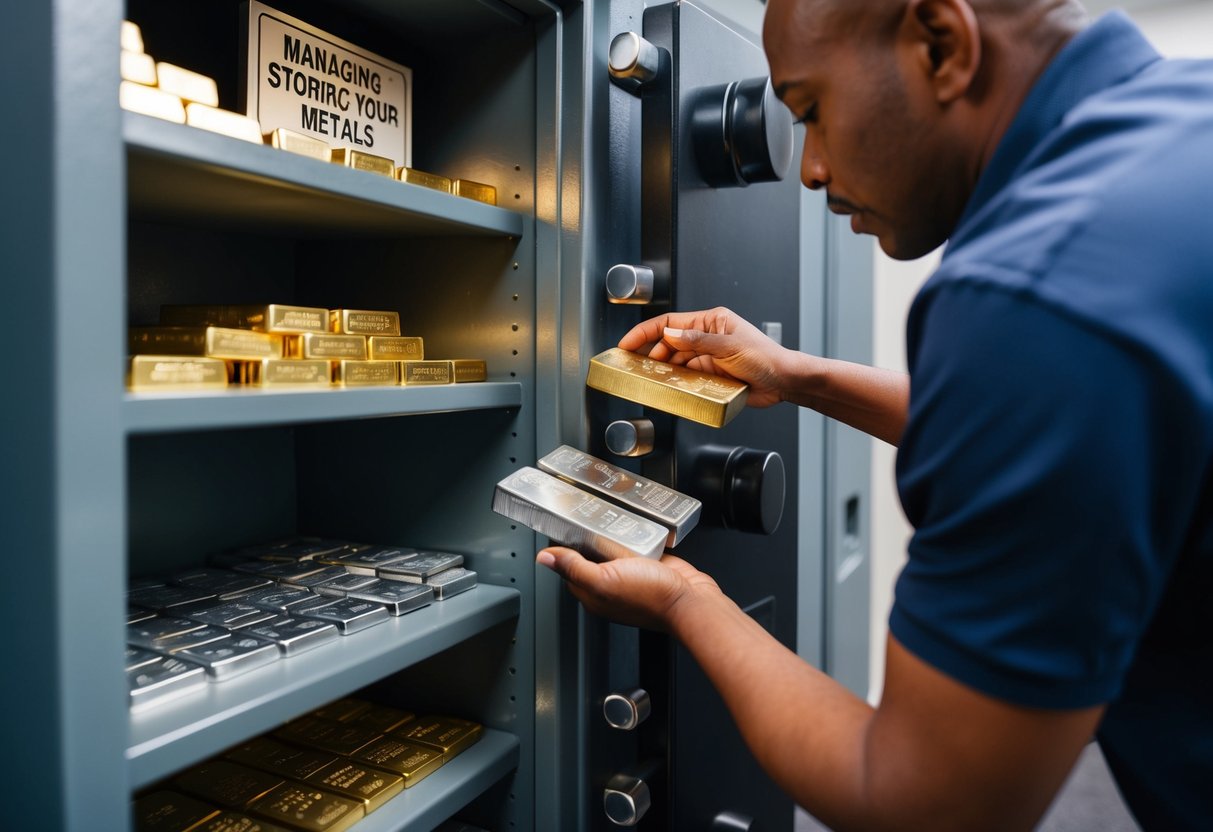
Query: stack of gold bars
(166,91)
(259,604)
(276,345)
(324,771)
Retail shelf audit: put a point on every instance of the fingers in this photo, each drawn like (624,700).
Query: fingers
(652,330)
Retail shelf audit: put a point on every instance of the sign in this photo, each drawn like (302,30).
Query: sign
(303,79)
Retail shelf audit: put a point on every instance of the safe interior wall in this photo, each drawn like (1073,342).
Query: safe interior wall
(110,214)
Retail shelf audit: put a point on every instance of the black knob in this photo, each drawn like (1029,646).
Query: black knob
(742,134)
(742,487)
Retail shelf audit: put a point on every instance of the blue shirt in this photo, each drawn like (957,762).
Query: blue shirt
(1057,464)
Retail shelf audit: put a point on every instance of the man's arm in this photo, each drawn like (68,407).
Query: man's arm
(718,341)
(935,754)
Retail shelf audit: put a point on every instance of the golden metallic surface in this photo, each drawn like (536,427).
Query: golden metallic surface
(450,735)
(290,761)
(395,348)
(474,190)
(365,373)
(298,143)
(209,341)
(132,37)
(425,180)
(342,710)
(327,734)
(382,718)
(303,806)
(163,373)
(701,397)
(418,373)
(371,786)
(286,372)
(150,101)
(225,783)
(271,317)
(224,122)
(358,160)
(470,369)
(187,84)
(166,811)
(137,67)
(410,760)
(364,321)
(325,345)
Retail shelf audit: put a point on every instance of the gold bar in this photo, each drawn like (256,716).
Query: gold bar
(382,718)
(150,102)
(701,397)
(280,758)
(358,160)
(417,373)
(292,142)
(187,84)
(426,180)
(358,782)
(224,122)
(410,760)
(286,372)
(209,341)
(175,372)
(448,734)
(474,190)
(165,811)
(132,37)
(342,710)
(470,369)
(305,807)
(364,321)
(226,784)
(327,735)
(365,373)
(325,345)
(271,317)
(137,67)
(395,348)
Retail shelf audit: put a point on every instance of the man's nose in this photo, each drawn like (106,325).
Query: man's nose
(814,172)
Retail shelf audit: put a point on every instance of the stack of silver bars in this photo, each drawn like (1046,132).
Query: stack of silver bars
(325,770)
(257,604)
(202,347)
(600,509)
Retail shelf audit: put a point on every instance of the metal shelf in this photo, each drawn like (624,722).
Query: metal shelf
(197,726)
(449,789)
(250,407)
(184,173)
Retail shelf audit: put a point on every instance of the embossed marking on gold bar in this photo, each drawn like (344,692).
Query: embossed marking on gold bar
(209,341)
(365,373)
(325,345)
(273,317)
(395,347)
(470,369)
(150,101)
(474,190)
(358,782)
(187,84)
(292,142)
(364,321)
(426,180)
(225,122)
(426,372)
(138,67)
(701,397)
(175,372)
(359,160)
(289,372)
(309,808)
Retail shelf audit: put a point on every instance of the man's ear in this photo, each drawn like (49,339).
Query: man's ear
(946,43)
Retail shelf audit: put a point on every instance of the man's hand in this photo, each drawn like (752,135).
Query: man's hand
(636,591)
(715,341)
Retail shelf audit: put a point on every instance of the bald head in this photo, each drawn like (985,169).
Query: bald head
(904,101)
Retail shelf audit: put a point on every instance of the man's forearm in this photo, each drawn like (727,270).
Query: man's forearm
(869,399)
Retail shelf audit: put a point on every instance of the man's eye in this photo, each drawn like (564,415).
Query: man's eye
(809,116)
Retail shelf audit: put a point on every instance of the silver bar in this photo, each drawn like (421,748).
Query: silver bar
(349,614)
(576,518)
(416,570)
(365,563)
(207,634)
(232,656)
(293,635)
(278,599)
(451,582)
(137,657)
(147,633)
(166,679)
(231,615)
(136,614)
(166,597)
(341,587)
(321,576)
(676,511)
(398,597)
(223,582)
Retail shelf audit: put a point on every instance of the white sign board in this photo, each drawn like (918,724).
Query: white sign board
(308,81)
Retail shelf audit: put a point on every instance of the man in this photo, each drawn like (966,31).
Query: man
(1055,432)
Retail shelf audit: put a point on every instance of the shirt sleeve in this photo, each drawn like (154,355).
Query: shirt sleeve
(1036,469)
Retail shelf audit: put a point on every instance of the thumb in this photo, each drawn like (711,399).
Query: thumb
(568,564)
(695,340)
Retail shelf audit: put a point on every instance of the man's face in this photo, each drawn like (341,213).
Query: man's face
(873,137)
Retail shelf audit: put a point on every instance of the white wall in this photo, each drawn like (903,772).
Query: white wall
(1177,30)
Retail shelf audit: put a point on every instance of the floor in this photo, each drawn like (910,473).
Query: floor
(1087,802)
